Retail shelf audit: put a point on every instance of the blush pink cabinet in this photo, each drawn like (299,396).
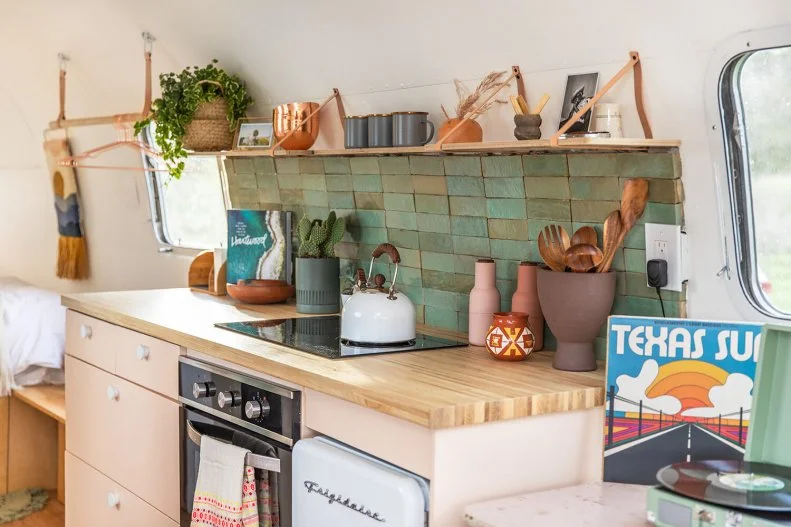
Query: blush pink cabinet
(94,499)
(121,390)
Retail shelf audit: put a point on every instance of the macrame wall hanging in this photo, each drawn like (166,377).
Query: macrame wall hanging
(72,249)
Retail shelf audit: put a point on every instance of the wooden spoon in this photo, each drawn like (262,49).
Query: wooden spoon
(554,261)
(585,235)
(612,235)
(633,202)
(583,257)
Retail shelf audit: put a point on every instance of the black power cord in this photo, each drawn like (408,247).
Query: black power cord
(656,271)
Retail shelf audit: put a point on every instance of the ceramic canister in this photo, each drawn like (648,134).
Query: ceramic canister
(484,302)
(509,337)
(525,300)
(607,118)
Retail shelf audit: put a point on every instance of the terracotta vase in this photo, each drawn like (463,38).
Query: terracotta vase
(469,132)
(525,300)
(575,306)
(484,302)
(509,337)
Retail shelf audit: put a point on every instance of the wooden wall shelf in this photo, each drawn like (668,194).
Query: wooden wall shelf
(500,147)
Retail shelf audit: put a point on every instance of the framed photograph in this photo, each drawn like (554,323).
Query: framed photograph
(579,90)
(252,133)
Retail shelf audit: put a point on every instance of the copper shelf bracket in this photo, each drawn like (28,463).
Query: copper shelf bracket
(635,65)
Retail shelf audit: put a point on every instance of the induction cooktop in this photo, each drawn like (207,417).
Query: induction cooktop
(322,336)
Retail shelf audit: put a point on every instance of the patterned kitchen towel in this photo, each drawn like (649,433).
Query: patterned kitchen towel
(266,482)
(225,493)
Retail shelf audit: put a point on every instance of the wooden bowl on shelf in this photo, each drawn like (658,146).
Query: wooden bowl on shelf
(261,291)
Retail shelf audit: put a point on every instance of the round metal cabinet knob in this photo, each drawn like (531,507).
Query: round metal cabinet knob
(203,389)
(256,409)
(85,331)
(143,352)
(113,393)
(229,399)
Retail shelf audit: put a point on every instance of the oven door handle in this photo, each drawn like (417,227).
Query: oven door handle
(271,464)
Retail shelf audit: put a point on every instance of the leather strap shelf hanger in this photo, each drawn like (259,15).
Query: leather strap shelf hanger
(635,65)
(61,122)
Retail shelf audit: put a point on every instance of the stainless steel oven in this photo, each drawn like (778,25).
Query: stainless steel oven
(239,409)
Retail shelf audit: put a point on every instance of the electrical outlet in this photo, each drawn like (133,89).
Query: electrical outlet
(666,242)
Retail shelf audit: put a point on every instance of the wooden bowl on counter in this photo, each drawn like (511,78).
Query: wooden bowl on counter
(261,291)
(293,116)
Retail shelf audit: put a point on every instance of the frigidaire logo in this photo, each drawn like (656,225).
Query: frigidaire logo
(338,498)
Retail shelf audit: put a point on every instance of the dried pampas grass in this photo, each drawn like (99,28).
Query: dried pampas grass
(467,107)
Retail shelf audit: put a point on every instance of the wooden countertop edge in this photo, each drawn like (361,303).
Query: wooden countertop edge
(451,416)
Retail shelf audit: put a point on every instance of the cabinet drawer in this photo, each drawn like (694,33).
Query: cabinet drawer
(126,432)
(91,340)
(94,499)
(147,361)
(92,415)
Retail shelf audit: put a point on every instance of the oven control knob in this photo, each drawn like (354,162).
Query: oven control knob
(229,399)
(256,409)
(203,389)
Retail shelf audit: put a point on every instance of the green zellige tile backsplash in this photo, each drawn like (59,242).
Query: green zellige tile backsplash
(445,211)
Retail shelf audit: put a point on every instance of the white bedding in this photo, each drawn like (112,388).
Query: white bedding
(32,335)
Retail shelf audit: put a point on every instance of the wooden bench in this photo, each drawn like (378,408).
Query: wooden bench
(36,440)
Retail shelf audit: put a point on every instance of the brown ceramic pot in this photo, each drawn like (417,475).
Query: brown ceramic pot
(509,337)
(469,132)
(575,306)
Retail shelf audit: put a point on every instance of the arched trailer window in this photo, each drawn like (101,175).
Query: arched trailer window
(188,212)
(755,108)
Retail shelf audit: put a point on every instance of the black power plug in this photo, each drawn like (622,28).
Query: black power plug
(656,271)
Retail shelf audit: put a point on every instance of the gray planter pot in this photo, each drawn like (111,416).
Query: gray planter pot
(575,306)
(318,285)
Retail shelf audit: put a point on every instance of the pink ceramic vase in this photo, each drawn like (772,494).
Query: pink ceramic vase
(525,300)
(484,302)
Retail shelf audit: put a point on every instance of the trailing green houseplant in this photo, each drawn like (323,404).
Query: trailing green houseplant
(182,94)
(318,270)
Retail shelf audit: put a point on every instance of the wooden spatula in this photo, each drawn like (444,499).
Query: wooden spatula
(585,235)
(554,261)
(633,202)
(611,240)
(583,257)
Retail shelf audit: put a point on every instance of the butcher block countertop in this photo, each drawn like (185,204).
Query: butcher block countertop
(435,389)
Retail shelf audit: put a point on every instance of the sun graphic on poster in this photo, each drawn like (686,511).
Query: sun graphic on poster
(689,381)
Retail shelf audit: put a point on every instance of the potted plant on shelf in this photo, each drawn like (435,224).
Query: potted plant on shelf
(198,110)
(318,270)
(576,289)
(467,109)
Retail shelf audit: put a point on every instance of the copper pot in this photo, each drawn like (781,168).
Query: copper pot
(293,116)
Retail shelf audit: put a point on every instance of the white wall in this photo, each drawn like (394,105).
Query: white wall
(382,56)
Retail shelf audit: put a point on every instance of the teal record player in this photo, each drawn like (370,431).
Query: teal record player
(755,492)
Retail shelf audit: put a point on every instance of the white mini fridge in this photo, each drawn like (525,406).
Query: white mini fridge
(337,486)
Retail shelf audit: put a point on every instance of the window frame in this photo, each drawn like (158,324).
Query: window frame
(730,152)
(158,211)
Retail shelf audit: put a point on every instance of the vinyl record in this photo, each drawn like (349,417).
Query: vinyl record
(734,484)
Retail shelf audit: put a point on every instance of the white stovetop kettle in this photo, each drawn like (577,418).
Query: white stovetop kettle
(375,315)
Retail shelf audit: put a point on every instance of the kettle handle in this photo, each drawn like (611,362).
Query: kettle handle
(390,250)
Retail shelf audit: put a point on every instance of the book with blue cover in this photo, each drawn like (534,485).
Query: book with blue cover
(259,245)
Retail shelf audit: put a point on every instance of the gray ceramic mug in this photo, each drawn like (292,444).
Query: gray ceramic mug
(412,129)
(356,132)
(380,130)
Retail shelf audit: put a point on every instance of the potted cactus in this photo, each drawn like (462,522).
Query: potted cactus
(318,270)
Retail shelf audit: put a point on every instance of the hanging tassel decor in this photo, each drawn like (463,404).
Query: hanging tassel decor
(72,250)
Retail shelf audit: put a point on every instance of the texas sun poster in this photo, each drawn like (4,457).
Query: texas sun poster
(677,390)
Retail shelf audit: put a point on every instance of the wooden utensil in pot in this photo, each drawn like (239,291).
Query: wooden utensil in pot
(583,257)
(633,201)
(585,235)
(554,261)
(611,240)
